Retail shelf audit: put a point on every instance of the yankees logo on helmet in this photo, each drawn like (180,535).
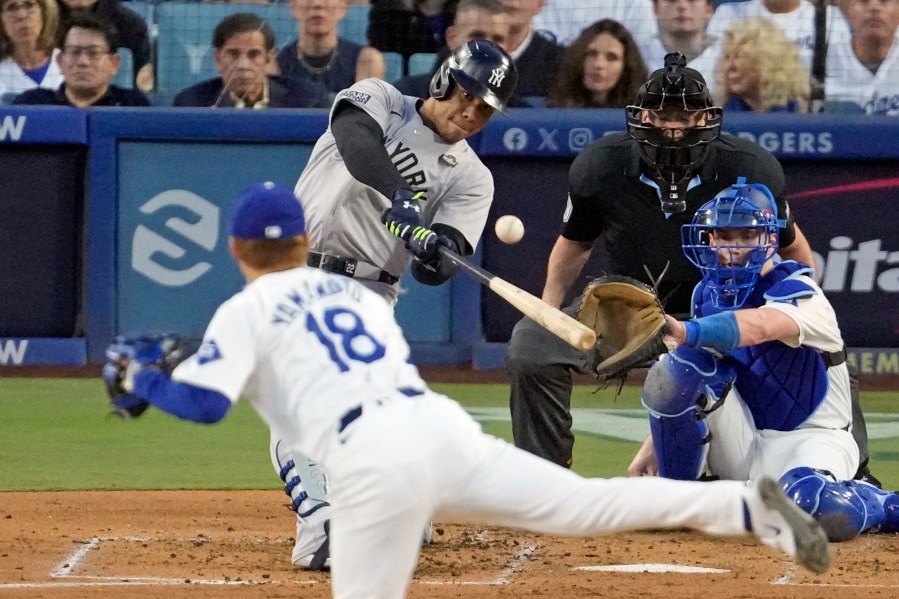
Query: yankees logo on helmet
(482,69)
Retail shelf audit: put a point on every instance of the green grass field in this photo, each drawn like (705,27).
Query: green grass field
(55,434)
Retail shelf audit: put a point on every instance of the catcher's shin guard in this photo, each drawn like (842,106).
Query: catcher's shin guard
(844,509)
(680,390)
(681,444)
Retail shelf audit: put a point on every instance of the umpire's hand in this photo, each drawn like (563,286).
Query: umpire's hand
(644,463)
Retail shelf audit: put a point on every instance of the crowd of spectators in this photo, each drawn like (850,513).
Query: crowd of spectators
(757,55)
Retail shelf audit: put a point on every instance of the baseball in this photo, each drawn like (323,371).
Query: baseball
(509,229)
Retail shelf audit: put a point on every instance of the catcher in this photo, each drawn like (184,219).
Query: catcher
(758,384)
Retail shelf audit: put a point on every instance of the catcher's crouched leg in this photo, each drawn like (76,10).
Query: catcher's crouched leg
(844,509)
(680,389)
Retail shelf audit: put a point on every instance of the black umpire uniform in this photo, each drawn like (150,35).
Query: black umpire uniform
(611,197)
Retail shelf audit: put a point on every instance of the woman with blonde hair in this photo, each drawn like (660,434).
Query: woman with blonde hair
(28,46)
(760,70)
(601,69)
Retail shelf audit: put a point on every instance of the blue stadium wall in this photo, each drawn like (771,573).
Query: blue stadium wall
(114,221)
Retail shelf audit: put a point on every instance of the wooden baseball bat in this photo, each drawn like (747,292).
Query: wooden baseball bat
(552,319)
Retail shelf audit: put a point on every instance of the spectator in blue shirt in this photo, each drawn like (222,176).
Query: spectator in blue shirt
(760,70)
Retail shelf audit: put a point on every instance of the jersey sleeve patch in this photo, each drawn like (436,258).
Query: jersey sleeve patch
(208,352)
(356,96)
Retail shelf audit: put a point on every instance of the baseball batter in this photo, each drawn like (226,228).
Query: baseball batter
(387,152)
(392,179)
(759,384)
(325,364)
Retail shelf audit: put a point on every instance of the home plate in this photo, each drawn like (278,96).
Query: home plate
(655,568)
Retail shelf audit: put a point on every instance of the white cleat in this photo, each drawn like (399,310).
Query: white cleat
(780,523)
(320,559)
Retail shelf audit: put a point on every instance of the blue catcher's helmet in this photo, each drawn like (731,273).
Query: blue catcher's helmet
(730,269)
(482,68)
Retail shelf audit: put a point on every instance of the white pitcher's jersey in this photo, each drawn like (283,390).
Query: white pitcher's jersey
(798,24)
(305,347)
(848,80)
(343,215)
(563,20)
(818,329)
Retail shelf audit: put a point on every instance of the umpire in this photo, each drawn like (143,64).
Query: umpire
(635,190)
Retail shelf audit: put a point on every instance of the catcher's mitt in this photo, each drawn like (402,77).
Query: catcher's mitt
(629,322)
(128,355)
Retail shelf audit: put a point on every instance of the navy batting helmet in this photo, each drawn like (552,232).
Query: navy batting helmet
(482,69)
(681,93)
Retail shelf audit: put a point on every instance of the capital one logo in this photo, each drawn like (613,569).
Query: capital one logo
(147,245)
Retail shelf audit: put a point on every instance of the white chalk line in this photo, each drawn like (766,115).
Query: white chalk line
(69,564)
(67,567)
(789,577)
(516,565)
(125,583)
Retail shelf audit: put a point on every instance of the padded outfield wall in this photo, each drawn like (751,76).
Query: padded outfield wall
(114,221)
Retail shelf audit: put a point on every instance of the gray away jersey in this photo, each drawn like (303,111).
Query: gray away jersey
(343,215)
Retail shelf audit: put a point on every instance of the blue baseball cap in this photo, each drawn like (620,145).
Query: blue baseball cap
(267,211)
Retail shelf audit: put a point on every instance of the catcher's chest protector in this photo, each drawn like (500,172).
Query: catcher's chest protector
(781,385)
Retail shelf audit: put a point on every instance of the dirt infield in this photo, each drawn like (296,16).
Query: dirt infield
(171,544)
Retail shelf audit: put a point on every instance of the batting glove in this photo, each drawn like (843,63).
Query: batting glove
(404,213)
(425,245)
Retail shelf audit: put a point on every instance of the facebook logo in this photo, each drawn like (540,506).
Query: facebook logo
(515,139)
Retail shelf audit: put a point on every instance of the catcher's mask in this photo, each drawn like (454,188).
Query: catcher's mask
(730,239)
(673,119)
(482,68)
